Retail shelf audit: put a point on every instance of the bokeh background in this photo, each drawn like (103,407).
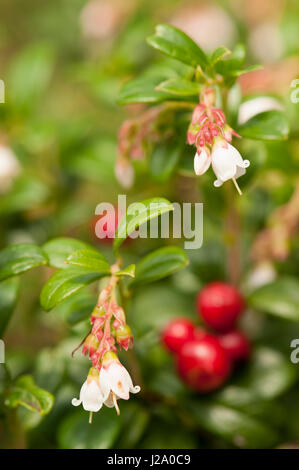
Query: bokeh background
(63,62)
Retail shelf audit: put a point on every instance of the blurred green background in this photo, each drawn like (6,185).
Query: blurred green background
(63,62)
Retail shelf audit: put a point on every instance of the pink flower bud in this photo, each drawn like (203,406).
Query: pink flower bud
(124,337)
(104,295)
(97,329)
(209,97)
(90,345)
(198,112)
(119,314)
(97,314)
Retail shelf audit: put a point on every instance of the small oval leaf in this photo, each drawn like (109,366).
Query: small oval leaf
(58,250)
(143,90)
(233,425)
(159,264)
(65,283)
(269,125)
(128,271)
(176,44)
(179,86)
(25,393)
(90,259)
(279,298)
(17,259)
(137,214)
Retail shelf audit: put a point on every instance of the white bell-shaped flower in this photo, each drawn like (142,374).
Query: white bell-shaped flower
(91,395)
(227,163)
(115,381)
(202,161)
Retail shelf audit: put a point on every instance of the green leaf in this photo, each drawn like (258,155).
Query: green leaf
(268,375)
(279,298)
(90,259)
(179,86)
(232,425)
(270,125)
(143,90)
(65,283)
(30,74)
(25,393)
(137,214)
(9,291)
(176,44)
(218,54)
(76,433)
(164,159)
(159,264)
(59,249)
(128,271)
(250,68)
(17,259)
(234,63)
(79,307)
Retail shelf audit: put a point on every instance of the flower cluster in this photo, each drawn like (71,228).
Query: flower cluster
(108,380)
(211,135)
(137,135)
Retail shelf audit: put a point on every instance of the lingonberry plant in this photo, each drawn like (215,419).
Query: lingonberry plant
(191,116)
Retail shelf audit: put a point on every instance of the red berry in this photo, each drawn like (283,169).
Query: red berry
(178,332)
(104,226)
(236,345)
(220,304)
(203,364)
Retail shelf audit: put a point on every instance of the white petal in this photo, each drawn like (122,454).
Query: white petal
(223,163)
(76,402)
(201,162)
(120,381)
(105,383)
(109,402)
(240,172)
(135,389)
(91,396)
(218,183)
(236,156)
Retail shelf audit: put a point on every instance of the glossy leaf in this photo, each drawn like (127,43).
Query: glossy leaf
(128,271)
(25,393)
(270,125)
(176,44)
(76,433)
(218,54)
(159,264)
(17,259)
(143,90)
(139,213)
(59,249)
(232,425)
(279,298)
(65,283)
(267,376)
(9,291)
(179,86)
(90,259)
(164,160)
